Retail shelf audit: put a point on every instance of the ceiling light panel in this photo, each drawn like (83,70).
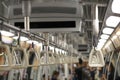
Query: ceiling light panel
(112,21)
(116,6)
(104,36)
(99,46)
(108,30)
(102,40)
(6,33)
(101,43)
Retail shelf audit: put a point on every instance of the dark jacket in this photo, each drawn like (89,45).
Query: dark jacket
(78,73)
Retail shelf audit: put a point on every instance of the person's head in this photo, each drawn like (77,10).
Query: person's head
(55,74)
(80,61)
(43,76)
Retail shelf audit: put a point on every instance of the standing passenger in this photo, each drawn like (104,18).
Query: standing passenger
(92,73)
(55,75)
(110,72)
(78,71)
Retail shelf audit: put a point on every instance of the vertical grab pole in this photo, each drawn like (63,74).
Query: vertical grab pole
(116,66)
(46,57)
(104,71)
(94,12)
(27,23)
(26,10)
(110,61)
(71,52)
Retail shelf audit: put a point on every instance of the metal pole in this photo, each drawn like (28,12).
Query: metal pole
(116,65)
(71,59)
(66,70)
(104,70)
(26,10)
(95,24)
(46,57)
(27,23)
(110,62)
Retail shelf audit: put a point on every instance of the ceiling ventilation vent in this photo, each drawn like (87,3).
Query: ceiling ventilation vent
(83,48)
(40,10)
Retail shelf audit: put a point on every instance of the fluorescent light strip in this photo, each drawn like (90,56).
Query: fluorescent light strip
(7,39)
(100,44)
(104,36)
(22,38)
(6,33)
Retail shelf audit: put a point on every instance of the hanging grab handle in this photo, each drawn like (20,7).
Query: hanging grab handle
(96,58)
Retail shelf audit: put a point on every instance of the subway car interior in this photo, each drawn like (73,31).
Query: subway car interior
(59,40)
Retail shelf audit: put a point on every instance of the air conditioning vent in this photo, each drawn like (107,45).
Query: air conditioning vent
(38,10)
(83,48)
(17,11)
(65,10)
